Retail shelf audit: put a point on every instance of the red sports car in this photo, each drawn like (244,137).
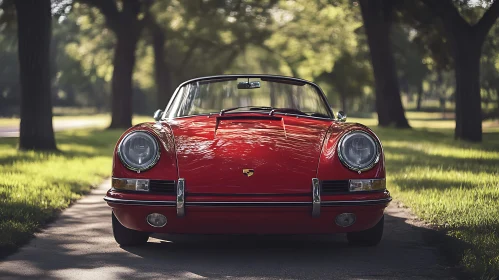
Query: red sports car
(248,154)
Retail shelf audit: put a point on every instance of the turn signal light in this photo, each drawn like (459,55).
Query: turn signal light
(367,185)
(131,184)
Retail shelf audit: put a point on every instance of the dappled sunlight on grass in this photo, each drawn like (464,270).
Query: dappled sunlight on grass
(101,120)
(429,121)
(451,184)
(436,149)
(34,186)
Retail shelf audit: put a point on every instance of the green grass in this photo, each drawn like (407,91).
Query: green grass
(452,185)
(34,186)
(101,120)
(104,119)
(429,121)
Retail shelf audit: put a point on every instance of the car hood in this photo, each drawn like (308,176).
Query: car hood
(282,153)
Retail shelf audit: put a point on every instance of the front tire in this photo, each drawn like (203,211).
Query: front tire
(369,237)
(128,237)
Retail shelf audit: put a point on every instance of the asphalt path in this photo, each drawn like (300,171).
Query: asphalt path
(80,245)
(59,125)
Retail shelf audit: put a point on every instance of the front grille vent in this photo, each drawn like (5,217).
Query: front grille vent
(162,186)
(332,187)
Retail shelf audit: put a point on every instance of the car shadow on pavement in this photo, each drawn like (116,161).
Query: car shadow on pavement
(79,245)
(402,253)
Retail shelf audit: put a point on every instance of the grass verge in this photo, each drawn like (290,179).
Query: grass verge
(452,185)
(35,186)
(99,120)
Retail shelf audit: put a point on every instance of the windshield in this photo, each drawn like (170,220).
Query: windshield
(232,95)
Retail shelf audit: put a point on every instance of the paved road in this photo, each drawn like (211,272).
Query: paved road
(13,131)
(79,245)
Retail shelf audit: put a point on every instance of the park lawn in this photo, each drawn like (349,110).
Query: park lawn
(35,186)
(452,185)
(101,120)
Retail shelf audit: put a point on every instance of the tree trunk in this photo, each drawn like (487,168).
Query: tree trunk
(420,96)
(440,89)
(468,100)
(162,73)
(466,41)
(377,16)
(497,101)
(127,34)
(343,98)
(487,101)
(34,35)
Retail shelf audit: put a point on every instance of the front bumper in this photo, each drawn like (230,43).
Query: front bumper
(332,203)
(258,214)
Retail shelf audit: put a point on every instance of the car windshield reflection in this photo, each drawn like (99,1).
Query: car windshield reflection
(243,94)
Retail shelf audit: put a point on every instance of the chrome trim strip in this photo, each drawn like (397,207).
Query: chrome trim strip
(357,202)
(139,202)
(249,194)
(181,198)
(316,197)
(248,204)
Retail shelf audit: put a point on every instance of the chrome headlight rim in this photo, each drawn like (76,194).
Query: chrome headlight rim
(150,165)
(375,160)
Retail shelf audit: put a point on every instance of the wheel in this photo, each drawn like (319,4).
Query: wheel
(128,237)
(369,237)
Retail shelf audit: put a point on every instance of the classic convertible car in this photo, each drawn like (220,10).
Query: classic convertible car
(248,154)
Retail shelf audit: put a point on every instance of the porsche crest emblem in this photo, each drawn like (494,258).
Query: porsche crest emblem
(248,172)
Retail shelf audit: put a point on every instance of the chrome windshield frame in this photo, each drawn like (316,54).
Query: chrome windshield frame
(240,76)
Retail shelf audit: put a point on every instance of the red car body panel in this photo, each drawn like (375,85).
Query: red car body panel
(286,152)
(248,220)
(283,151)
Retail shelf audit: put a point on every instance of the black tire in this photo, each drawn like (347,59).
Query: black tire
(369,237)
(128,237)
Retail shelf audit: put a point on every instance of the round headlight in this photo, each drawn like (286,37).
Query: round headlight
(358,151)
(139,151)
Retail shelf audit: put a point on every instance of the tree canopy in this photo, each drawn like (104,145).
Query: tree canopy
(128,56)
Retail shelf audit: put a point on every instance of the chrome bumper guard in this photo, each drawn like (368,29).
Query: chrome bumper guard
(180,202)
(316,197)
(181,197)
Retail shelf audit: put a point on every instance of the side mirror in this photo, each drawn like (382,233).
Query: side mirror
(157,115)
(341,116)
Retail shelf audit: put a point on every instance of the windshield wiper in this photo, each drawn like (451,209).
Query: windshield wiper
(271,109)
(249,107)
(287,110)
